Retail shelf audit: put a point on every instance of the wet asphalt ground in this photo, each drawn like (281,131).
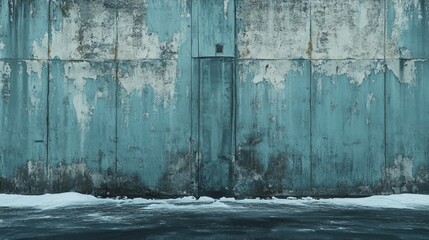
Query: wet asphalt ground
(198,221)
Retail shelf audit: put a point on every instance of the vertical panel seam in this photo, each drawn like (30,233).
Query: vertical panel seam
(385,91)
(234,103)
(49,62)
(116,98)
(198,104)
(311,103)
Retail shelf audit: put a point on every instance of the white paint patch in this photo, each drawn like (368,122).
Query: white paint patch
(355,71)
(404,14)
(275,34)
(34,71)
(34,67)
(137,42)
(79,72)
(274,72)
(1,42)
(83,111)
(225,8)
(369,99)
(147,46)
(40,49)
(160,78)
(405,74)
(5,72)
(98,35)
(64,44)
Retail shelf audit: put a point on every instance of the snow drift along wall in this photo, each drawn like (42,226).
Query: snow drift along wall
(214,97)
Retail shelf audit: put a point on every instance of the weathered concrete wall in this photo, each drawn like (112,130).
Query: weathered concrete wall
(214,97)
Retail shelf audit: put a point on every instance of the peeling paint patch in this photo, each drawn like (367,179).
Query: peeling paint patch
(369,99)
(34,67)
(405,71)
(79,73)
(274,72)
(1,45)
(136,41)
(225,8)
(159,75)
(404,16)
(40,49)
(356,71)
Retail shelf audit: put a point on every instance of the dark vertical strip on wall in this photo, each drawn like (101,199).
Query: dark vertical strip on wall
(48,91)
(234,100)
(195,88)
(311,102)
(385,93)
(116,181)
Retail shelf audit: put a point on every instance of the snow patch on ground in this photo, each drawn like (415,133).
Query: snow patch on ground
(49,201)
(61,200)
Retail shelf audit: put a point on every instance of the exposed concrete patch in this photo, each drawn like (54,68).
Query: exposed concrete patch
(5,73)
(83,30)
(159,75)
(40,48)
(370,98)
(274,29)
(79,73)
(347,29)
(273,72)
(404,70)
(136,41)
(225,8)
(405,13)
(355,70)
(76,75)
(35,67)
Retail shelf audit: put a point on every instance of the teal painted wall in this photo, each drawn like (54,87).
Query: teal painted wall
(239,98)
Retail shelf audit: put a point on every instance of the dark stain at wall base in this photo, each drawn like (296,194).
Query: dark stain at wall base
(179,177)
(251,178)
(31,178)
(71,177)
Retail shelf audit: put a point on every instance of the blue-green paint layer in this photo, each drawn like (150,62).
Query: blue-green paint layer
(216,28)
(24,29)
(407,118)
(273,127)
(347,124)
(82,125)
(407,29)
(23,125)
(216,126)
